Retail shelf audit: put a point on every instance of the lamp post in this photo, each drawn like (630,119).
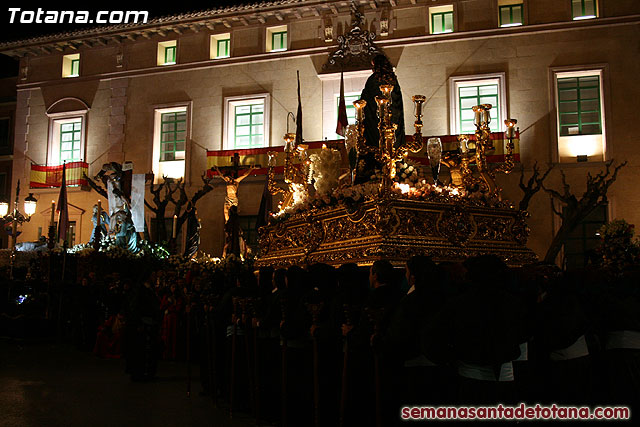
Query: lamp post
(16,218)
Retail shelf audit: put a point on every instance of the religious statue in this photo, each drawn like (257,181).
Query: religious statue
(234,240)
(122,226)
(232,181)
(193,232)
(104,220)
(121,222)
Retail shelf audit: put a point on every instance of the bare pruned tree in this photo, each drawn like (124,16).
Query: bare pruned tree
(575,210)
(533,185)
(163,194)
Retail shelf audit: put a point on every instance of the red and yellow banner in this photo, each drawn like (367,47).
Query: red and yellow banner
(51,176)
(450,143)
(258,156)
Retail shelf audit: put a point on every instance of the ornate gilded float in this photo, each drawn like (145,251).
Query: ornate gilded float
(387,219)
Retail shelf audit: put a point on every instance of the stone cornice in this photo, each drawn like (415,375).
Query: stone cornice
(221,19)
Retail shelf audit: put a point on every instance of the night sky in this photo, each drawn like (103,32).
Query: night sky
(19,31)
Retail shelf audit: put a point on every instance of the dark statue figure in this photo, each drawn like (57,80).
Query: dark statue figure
(193,232)
(104,220)
(382,75)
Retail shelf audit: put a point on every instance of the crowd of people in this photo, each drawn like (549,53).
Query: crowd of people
(352,345)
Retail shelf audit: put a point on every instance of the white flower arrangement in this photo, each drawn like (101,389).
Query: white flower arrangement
(325,170)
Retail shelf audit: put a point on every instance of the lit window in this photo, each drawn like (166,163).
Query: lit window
(221,46)
(167,52)
(584,9)
(71,65)
(170,142)
(441,19)
(579,105)
(70,140)
(510,15)
(580,115)
(469,91)
(173,135)
(247,122)
(66,142)
(277,39)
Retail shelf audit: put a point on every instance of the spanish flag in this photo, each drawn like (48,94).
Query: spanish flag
(51,176)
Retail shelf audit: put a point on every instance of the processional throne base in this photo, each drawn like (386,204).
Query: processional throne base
(395,229)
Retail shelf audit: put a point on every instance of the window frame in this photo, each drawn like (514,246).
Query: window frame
(68,62)
(54,142)
(227,48)
(510,7)
(177,168)
(583,14)
(579,112)
(567,148)
(443,14)
(270,34)
(457,82)
(163,48)
(230,103)
(173,50)
(214,46)
(175,122)
(283,41)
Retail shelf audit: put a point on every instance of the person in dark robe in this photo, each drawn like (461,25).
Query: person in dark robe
(383,74)
(423,380)
(478,332)
(143,336)
(172,304)
(366,344)
(619,306)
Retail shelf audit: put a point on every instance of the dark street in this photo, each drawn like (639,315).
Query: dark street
(46,384)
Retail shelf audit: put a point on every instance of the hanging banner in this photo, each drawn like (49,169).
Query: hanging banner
(137,201)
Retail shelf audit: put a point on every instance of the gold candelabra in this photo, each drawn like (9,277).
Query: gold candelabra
(470,152)
(295,174)
(387,153)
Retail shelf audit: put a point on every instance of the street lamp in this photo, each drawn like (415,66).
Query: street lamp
(30,203)
(16,217)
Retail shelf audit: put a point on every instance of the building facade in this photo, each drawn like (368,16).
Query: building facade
(161,94)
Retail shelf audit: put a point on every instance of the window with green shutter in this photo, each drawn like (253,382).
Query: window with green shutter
(70,140)
(75,67)
(249,126)
(279,40)
(469,96)
(170,55)
(223,48)
(510,15)
(442,22)
(580,245)
(579,110)
(583,9)
(173,135)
